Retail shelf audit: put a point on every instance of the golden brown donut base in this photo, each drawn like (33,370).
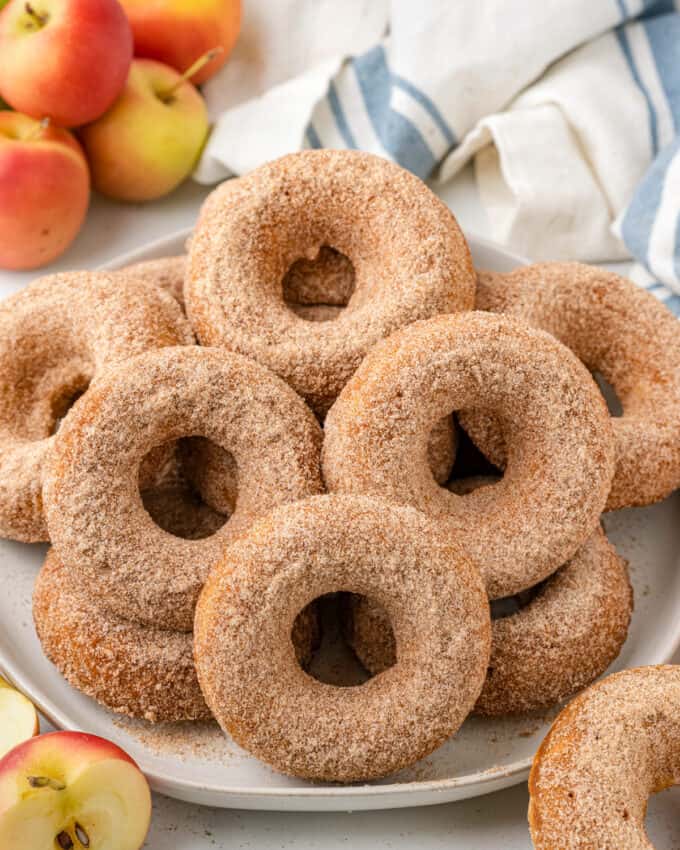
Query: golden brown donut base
(298,553)
(620,331)
(609,749)
(568,633)
(131,669)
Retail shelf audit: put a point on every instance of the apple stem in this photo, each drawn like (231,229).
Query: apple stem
(46,782)
(194,68)
(40,20)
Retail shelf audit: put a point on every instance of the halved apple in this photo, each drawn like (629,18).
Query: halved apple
(72,791)
(18,718)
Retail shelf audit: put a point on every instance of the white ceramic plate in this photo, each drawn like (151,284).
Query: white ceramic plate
(202,766)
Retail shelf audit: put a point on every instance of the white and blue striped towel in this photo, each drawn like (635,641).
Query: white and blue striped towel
(570,109)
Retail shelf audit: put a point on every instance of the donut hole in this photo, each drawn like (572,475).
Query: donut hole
(64,399)
(661,822)
(366,627)
(613,401)
(319,289)
(172,500)
(508,606)
(471,469)
(331,660)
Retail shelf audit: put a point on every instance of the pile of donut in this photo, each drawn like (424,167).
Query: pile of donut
(212,443)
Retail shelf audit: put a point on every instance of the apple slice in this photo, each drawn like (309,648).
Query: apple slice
(18,718)
(72,791)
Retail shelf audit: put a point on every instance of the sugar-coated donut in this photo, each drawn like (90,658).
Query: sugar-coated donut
(132,669)
(55,336)
(620,331)
(95,515)
(300,726)
(569,632)
(409,257)
(561,456)
(609,749)
(166,272)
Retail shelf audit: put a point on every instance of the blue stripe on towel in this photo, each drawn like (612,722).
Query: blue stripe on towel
(399,136)
(623,9)
(313,139)
(663,34)
(676,256)
(640,216)
(428,105)
(339,116)
(625,47)
(644,209)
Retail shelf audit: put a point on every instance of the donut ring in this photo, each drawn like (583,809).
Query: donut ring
(616,329)
(55,336)
(608,750)
(166,272)
(260,695)
(561,462)
(410,259)
(97,521)
(561,641)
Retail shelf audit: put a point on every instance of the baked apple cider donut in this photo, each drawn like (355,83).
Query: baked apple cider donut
(55,337)
(561,458)
(409,257)
(246,663)
(609,749)
(620,331)
(567,633)
(95,515)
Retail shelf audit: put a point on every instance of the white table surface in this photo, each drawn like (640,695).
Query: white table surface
(495,822)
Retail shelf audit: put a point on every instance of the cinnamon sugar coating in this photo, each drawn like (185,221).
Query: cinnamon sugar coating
(300,726)
(166,272)
(566,636)
(609,749)
(214,473)
(561,457)
(620,331)
(95,515)
(131,669)
(55,337)
(409,256)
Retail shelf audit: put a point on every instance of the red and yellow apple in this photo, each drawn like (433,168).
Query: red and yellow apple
(44,191)
(63,59)
(177,32)
(18,718)
(151,138)
(70,790)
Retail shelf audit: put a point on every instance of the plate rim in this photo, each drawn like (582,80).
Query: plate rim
(479,783)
